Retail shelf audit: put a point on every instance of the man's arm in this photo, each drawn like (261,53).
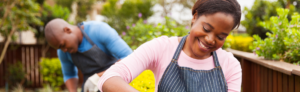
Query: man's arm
(112,41)
(69,71)
(72,84)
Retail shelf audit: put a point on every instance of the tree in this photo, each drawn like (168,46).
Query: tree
(16,15)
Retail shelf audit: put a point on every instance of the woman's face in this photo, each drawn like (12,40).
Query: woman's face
(208,33)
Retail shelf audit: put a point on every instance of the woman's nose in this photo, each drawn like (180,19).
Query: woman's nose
(210,40)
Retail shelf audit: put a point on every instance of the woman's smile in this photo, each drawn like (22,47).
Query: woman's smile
(203,47)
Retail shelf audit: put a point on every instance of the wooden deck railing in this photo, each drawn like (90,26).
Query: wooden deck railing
(260,75)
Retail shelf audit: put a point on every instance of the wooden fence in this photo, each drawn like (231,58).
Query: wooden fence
(29,56)
(261,75)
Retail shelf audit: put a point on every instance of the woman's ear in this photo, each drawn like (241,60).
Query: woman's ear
(195,16)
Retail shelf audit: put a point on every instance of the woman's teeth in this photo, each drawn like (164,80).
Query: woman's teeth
(203,45)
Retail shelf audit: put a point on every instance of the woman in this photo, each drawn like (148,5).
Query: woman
(198,63)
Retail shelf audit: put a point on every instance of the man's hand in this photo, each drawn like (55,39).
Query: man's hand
(91,83)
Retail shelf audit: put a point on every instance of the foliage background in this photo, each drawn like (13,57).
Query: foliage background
(143,32)
(127,13)
(283,40)
(238,42)
(262,10)
(52,73)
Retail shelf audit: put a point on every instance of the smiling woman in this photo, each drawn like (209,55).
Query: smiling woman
(207,34)
(191,63)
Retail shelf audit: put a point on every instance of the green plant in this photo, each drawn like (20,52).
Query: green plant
(128,12)
(15,74)
(51,72)
(262,10)
(238,42)
(142,32)
(284,40)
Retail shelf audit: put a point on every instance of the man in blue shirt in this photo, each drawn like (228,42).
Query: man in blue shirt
(91,47)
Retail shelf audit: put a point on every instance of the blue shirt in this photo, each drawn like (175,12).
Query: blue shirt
(105,37)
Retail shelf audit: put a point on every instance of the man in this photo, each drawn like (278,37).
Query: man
(91,46)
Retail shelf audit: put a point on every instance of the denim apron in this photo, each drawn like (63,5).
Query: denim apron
(93,60)
(184,79)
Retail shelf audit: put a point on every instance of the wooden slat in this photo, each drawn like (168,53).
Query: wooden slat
(270,80)
(291,84)
(257,78)
(32,78)
(275,81)
(40,75)
(36,63)
(265,80)
(252,76)
(285,83)
(23,57)
(297,83)
(280,85)
(246,76)
(27,61)
(262,79)
(258,86)
(2,71)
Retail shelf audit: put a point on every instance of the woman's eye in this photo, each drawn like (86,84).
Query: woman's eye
(205,29)
(221,38)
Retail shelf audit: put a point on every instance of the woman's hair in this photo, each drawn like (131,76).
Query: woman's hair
(231,7)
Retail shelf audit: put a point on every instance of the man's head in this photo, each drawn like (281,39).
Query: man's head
(61,35)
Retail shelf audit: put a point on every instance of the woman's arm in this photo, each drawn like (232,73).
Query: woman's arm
(234,75)
(117,84)
(119,75)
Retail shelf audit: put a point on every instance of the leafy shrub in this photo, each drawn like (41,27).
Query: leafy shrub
(284,41)
(15,74)
(238,42)
(145,82)
(51,72)
(262,10)
(142,32)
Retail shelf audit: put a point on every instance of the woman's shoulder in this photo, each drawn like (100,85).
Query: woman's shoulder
(161,44)
(165,40)
(226,57)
